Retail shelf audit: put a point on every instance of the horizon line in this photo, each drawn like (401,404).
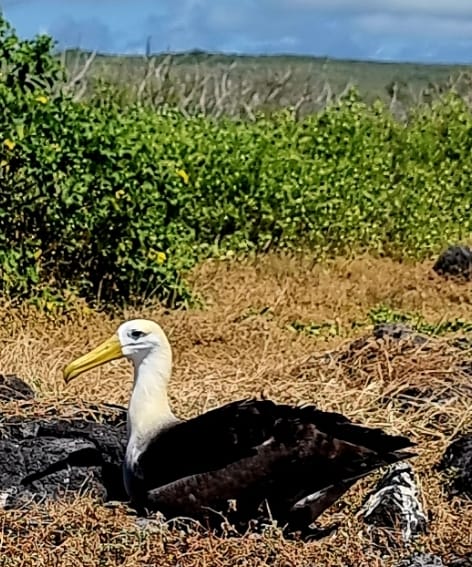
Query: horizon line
(234,54)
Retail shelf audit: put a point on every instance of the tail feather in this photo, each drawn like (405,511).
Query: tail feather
(374,439)
(307,509)
(341,427)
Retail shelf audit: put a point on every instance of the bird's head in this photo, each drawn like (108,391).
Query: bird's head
(134,340)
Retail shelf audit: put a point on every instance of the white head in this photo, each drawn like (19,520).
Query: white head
(139,340)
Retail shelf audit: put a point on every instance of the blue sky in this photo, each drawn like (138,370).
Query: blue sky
(401,30)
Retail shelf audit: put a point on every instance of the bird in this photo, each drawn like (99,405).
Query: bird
(248,459)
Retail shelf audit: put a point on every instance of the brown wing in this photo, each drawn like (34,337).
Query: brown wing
(297,461)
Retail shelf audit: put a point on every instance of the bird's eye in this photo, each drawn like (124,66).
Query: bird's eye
(135,334)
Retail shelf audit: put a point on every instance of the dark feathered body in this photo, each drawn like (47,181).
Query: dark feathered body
(298,460)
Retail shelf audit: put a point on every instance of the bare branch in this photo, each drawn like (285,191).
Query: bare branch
(80,73)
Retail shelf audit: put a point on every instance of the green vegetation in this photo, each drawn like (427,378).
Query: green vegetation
(385,314)
(114,202)
(380,314)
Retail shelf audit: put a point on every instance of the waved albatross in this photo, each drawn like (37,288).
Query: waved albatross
(236,460)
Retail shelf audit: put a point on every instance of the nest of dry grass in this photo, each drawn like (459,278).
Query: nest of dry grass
(238,345)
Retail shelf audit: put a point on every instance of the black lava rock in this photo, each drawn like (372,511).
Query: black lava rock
(430,560)
(457,463)
(465,561)
(455,261)
(421,560)
(50,459)
(14,388)
(399,332)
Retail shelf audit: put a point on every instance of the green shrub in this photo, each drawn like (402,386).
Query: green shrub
(102,201)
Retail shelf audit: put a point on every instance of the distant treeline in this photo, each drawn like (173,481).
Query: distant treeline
(242,85)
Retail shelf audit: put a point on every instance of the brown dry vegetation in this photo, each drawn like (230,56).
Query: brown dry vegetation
(241,86)
(240,344)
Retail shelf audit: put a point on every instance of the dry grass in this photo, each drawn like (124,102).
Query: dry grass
(239,345)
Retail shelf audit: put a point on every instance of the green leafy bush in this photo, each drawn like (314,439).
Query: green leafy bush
(114,203)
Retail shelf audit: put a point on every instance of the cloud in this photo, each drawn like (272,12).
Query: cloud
(89,33)
(387,29)
(451,8)
(415,27)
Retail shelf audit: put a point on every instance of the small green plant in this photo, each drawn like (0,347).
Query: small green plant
(385,314)
(326,328)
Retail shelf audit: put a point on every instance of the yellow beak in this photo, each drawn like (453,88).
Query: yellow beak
(108,350)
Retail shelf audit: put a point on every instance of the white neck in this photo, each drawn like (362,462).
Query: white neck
(149,410)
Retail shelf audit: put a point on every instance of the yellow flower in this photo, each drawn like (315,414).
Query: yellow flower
(183,174)
(10,144)
(119,194)
(160,257)
(42,99)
